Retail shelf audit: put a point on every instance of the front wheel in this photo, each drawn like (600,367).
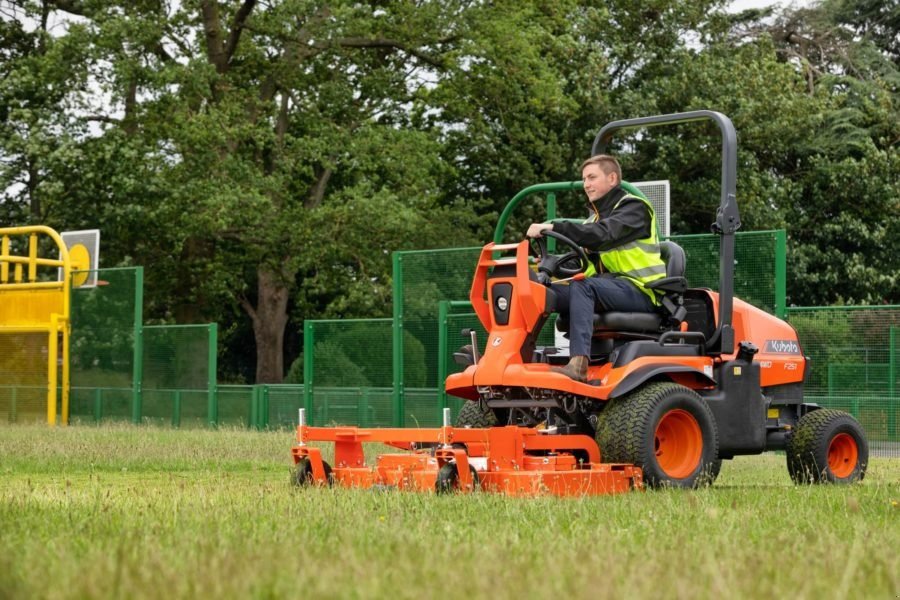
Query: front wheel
(302,474)
(827,446)
(448,479)
(667,430)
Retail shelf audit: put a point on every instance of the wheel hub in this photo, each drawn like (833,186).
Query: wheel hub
(678,444)
(842,455)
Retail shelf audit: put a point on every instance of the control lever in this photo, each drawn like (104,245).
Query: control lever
(472,336)
(576,277)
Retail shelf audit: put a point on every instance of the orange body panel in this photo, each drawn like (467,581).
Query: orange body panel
(529,300)
(516,461)
(780,357)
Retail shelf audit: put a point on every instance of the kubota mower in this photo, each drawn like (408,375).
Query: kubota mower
(669,395)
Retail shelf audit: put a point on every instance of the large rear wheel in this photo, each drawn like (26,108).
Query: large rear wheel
(667,430)
(827,446)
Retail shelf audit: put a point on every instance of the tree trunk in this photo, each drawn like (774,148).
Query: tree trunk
(269,320)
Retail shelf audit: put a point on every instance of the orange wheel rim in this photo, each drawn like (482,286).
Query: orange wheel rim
(678,444)
(842,455)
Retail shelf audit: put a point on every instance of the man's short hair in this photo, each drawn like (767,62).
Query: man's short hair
(608,164)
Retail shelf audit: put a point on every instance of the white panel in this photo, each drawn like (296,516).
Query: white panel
(658,194)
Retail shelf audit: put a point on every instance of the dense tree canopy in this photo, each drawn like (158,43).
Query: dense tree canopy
(263,159)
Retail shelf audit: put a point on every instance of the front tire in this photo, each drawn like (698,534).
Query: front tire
(667,430)
(827,446)
(302,474)
(448,479)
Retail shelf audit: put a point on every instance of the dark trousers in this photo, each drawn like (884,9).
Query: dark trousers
(581,299)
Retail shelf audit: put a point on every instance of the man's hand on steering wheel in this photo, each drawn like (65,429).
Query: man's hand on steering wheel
(556,265)
(535,230)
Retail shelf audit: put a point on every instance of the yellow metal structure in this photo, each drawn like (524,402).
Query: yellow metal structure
(34,299)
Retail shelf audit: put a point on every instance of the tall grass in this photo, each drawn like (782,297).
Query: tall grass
(125,512)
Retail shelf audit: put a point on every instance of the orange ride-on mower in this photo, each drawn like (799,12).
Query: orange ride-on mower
(669,395)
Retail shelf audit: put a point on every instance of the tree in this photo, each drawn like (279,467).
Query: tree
(235,121)
(40,81)
(816,112)
(844,240)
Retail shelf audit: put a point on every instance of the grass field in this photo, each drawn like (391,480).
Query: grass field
(126,512)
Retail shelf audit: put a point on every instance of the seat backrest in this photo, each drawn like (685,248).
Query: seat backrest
(673,255)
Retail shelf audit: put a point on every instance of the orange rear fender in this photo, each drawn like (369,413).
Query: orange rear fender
(695,372)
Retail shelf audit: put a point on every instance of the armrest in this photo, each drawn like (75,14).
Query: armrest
(669,284)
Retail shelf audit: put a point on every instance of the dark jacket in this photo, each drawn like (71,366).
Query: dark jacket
(628,222)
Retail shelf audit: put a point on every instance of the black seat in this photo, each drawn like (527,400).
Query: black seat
(671,311)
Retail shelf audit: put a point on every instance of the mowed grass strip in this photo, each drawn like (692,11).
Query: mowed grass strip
(140,512)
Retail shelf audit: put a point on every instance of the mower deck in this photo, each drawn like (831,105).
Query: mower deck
(516,461)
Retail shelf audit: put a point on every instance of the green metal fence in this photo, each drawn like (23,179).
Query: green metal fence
(422,280)
(179,374)
(854,363)
(125,370)
(105,345)
(347,372)
(760,259)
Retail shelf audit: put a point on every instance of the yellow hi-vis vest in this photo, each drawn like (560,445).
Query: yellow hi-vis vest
(638,261)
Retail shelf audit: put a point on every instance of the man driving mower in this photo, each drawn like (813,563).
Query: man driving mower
(622,230)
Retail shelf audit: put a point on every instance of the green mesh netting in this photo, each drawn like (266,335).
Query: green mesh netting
(351,381)
(755,259)
(854,366)
(281,404)
(176,373)
(23,377)
(427,278)
(236,405)
(102,347)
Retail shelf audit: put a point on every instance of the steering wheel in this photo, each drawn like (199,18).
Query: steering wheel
(560,266)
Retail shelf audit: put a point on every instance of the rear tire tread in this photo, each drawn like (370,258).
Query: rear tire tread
(625,426)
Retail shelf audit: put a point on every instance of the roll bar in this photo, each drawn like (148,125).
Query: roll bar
(728,219)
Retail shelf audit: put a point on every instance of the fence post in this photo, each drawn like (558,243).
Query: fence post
(362,407)
(254,407)
(892,384)
(138,368)
(397,330)
(443,317)
(212,398)
(308,370)
(98,404)
(176,410)
(264,408)
(780,273)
